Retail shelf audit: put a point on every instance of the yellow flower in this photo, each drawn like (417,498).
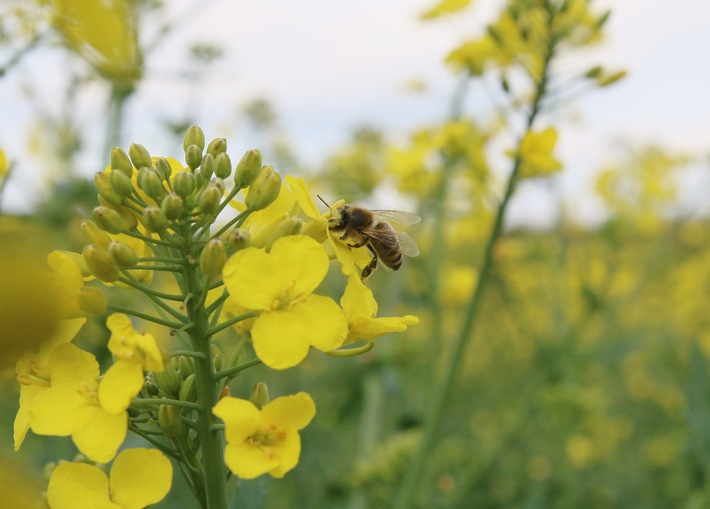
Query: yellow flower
(139,477)
(4,165)
(67,403)
(536,153)
(360,309)
(267,440)
(280,285)
(133,352)
(77,299)
(33,373)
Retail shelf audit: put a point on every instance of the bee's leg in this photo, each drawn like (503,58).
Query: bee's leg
(370,267)
(359,244)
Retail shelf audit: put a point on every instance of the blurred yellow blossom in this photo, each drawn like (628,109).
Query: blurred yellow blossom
(537,159)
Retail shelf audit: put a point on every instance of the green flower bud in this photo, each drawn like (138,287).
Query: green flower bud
(238,240)
(172,206)
(193,156)
(154,219)
(170,421)
(264,190)
(223,166)
(185,366)
(108,219)
(217,146)
(290,226)
(207,167)
(218,183)
(216,357)
(139,156)
(248,168)
(92,301)
(188,391)
(194,136)
(213,258)
(121,183)
(200,179)
(120,161)
(168,381)
(94,234)
(184,183)
(209,200)
(260,395)
(150,181)
(151,387)
(123,254)
(100,263)
(105,189)
(163,167)
(593,72)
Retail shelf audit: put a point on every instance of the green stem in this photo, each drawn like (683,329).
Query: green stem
(146,290)
(149,240)
(187,353)
(165,401)
(143,316)
(230,322)
(210,440)
(444,386)
(236,369)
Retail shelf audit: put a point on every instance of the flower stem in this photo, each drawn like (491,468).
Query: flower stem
(444,386)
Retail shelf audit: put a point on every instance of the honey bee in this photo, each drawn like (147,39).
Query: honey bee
(375,229)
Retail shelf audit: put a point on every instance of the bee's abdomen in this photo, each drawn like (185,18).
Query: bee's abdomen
(387,247)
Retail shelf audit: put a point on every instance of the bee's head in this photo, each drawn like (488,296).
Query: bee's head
(338,215)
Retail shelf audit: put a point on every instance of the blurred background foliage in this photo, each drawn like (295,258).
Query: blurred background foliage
(587,382)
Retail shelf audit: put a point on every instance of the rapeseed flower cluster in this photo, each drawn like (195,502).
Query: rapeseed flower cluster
(256,273)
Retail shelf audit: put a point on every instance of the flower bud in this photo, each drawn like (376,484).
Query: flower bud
(223,166)
(184,183)
(207,166)
(151,387)
(213,258)
(217,146)
(94,234)
(248,168)
(172,206)
(170,421)
(593,72)
(218,183)
(139,156)
(260,395)
(238,239)
(200,179)
(264,190)
(150,181)
(163,167)
(108,219)
(209,200)
(100,263)
(194,136)
(154,219)
(216,357)
(290,226)
(123,254)
(121,162)
(102,182)
(120,183)
(92,301)
(185,366)
(188,391)
(168,381)
(193,156)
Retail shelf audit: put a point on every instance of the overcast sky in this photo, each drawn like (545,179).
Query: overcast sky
(330,66)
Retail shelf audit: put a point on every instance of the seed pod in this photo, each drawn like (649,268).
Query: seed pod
(140,157)
(248,168)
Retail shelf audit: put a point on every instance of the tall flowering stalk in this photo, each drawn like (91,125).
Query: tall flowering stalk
(256,273)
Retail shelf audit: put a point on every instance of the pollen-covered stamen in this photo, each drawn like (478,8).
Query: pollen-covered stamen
(267,438)
(90,393)
(35,375)
(289,297)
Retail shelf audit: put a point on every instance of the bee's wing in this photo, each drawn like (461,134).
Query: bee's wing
(397,218)
(407,245)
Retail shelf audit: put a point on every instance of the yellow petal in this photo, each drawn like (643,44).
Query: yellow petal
(98,434)
(322,320)
(152,356)
(357,300)
(303,196)
(302,262)
(140,477)
(240,416)
(248,276)
(280,340)
(78,485)
(295,411)
(121,329)
(66,331)
(289,451)
(247,461)
(22,419)
(121,383)
(364,328)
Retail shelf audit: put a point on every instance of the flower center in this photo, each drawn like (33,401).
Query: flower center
(90,392)
(35,375)
(289,298)
(267,438)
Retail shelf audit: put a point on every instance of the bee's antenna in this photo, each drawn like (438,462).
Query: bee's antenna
(321,199)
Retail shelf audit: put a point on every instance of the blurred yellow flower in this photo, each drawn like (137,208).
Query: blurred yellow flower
(267,440)
(138,478)
(536,155)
